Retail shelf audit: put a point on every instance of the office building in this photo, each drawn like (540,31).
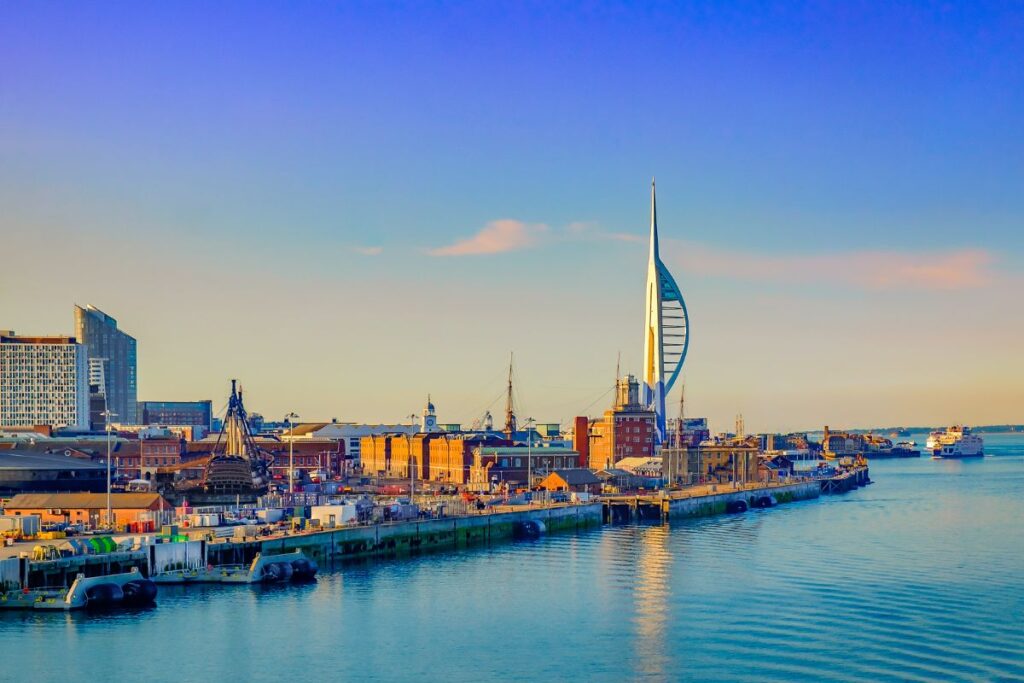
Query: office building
(43,381)
(195,413)
(116,351)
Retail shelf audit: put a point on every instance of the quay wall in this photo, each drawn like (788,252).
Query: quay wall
(715,504)
(410,536)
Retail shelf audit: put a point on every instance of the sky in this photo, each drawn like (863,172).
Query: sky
(351,205)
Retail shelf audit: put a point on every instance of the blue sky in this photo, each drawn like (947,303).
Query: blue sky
(834,180)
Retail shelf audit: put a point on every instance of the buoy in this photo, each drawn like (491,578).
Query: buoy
(530,529)
(734,506)
(304,569)
(140,592)
(103,595)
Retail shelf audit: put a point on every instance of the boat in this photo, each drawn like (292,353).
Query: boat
(957,441)
(906,449)
(238,470)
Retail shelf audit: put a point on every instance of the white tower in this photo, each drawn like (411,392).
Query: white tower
(666,330)
(429,423)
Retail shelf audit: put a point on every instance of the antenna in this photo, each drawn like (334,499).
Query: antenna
(615,385)
(682,404)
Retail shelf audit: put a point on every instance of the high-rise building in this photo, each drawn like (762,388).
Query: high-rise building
(195,413)
(666,330)
(43,381)
(117,352)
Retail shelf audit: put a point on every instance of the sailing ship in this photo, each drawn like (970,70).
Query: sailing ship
(238,470)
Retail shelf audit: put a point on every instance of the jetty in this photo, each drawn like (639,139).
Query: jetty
(717,499)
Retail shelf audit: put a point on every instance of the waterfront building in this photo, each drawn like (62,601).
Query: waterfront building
(351,434)
(666,330)
(198,413)
(577,480)
(99,333)
(453,455)
(725,462)
(411,450)
(498,465)
(628,430)
(156,453)
(24,470)
(44,380)
(87,508)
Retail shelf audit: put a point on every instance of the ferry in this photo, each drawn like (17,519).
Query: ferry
(956,442)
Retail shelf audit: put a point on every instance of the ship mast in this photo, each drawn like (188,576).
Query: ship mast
(510,414)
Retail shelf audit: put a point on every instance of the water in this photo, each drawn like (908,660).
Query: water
(919,577)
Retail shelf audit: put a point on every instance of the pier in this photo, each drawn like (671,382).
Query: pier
(717,499)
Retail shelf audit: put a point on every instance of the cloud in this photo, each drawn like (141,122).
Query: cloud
(950,269)
(369,251)
(496,237)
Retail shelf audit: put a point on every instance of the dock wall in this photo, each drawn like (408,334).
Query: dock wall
(716,504)
(410,536)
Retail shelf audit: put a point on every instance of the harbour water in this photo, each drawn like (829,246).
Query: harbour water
(917,577)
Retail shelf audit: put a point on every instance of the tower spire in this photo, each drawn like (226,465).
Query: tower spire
(654,223)
(666,329)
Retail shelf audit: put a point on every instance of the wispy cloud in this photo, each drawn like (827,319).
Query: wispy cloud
(369,251)
(949,269)
(495,238)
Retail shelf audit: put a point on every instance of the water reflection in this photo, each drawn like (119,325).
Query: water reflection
(653,584)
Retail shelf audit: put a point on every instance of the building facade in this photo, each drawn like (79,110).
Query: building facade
(43,381)
(724,463)
(198,413)
(98,332)
(626,431)
(514,465)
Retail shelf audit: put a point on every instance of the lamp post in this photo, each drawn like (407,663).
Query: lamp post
(106,422)
(291,417)
(529,456)
(412,461)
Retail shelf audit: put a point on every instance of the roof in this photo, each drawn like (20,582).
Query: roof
(634,462)
(22,460)
(305,428)
(538,451)
(93,501)
(577,477)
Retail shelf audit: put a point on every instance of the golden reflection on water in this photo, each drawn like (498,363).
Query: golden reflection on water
(653,574)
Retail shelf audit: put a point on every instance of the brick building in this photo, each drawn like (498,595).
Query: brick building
(86,508)
(625,431)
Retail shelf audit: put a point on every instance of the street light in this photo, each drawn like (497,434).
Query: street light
(106,422)
(290,418)
(412,462)
(529,456)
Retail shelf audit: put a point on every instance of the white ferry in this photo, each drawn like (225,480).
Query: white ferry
(955,442)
